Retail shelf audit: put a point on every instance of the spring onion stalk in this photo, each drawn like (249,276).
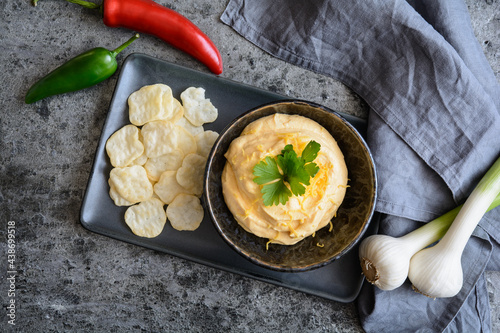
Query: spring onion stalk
(437,271)
(385,260)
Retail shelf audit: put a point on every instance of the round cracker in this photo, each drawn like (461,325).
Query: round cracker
(194,130)
(131,183)
(185,212)
(198,109)
(159,138)
(147,218)
(167,187)
(124,146)
(141,160)
(116,197)
(177,111)
(155,166)
(190,174)
(205,142)
(150,103)
(185,141)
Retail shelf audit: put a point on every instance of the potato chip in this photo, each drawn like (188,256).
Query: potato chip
(124,146)
(155,166)
(185,141)
(194,130)
(159,138)
(153,102)
(185,212)
(146,219)
(205,141)
(167,187)
(116,197)
(131,183)
(198,109)
(190,174)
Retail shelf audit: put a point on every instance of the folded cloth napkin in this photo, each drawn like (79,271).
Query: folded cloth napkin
(433,125)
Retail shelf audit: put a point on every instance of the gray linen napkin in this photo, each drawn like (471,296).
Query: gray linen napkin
(433,126)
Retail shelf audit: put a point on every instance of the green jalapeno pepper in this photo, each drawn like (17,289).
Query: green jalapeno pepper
(83,71)
(149,17)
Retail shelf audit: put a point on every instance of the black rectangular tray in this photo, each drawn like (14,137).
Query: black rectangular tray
(339,281)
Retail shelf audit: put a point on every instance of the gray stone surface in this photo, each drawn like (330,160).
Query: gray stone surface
(69,279)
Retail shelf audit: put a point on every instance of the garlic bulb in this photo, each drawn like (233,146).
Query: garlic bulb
(385,260)
(436,272)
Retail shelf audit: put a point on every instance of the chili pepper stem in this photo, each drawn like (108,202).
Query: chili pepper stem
(86,4)
(83,3)
(124,45)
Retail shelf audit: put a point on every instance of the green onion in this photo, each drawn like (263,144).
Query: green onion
(437,271)
(385,260)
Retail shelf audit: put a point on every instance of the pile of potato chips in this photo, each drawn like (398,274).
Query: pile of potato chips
(160,159)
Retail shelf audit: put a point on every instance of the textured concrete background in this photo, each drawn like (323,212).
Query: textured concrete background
(70,279)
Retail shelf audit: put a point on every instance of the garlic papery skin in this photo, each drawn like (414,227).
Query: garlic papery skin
(436,272)
(385,260)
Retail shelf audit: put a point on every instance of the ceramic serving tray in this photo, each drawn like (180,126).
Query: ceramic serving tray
(339,281)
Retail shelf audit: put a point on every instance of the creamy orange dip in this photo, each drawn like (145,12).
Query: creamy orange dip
(301,216)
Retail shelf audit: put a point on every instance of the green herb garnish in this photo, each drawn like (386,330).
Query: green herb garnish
(279,186)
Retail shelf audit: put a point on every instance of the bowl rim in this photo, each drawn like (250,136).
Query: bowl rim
(207,202)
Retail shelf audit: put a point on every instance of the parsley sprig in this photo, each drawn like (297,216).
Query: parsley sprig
(279,186)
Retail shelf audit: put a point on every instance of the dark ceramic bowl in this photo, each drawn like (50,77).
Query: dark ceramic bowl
(352,218)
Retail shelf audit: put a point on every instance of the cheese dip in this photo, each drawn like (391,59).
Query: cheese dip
(302,215)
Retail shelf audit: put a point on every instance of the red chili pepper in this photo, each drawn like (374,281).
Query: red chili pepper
(146,16)
(151,18)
